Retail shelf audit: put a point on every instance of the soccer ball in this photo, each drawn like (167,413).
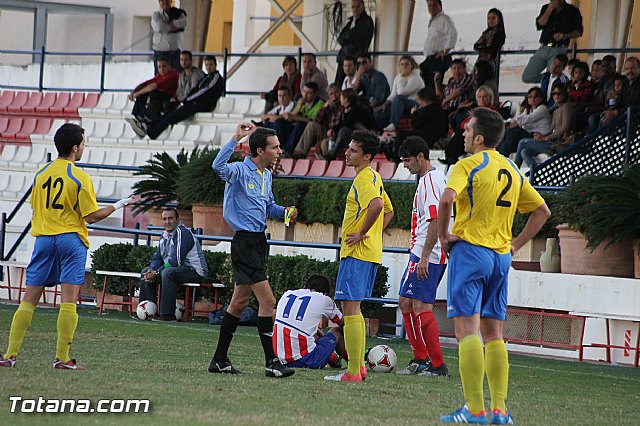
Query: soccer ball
(382,359)
(179,311)
(146,310)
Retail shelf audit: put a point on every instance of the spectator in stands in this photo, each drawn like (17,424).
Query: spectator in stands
(602,89)
(202,98)
(484,75)
(441,39)
(492,39)
(570,64)
(355,36)
(285,104)
(151,95)
(580,89)
(349,71)
(428,121)
(554,75)
(290,78)
(459,87)
(187,80)
(292,125)
(311,73)
(614,97)
(596,71)
(561,123)
(536,119)
(354,117)
(298,340)
(403,95)
(370,83)
(559,23)
(178,260)
(326,124)
(483,98)
(630,92)
(168,26)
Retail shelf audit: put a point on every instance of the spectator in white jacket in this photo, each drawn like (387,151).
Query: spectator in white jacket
(403,95)
(168,26)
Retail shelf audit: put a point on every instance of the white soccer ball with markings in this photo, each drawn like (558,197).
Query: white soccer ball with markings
(179,311)
(146,310)
(382,359)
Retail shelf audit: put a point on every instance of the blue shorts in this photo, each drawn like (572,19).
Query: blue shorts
(57,259)
(319,357)
(478,281)
(355,279)
(423,290)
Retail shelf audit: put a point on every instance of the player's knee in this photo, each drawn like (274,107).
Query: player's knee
(268,302)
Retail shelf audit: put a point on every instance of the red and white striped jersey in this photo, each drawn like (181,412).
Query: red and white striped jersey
(298,314)
(425,208)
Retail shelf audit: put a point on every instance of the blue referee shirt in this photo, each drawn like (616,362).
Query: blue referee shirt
(248,197)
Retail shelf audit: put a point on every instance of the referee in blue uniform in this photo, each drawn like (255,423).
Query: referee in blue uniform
(248,202)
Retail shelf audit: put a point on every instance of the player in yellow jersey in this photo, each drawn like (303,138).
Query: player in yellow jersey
(367,213)
(62,199)
(487,189)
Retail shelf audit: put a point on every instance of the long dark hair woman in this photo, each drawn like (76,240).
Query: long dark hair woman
(492,39)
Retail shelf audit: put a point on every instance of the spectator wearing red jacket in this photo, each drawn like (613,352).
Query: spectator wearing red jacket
(151,95)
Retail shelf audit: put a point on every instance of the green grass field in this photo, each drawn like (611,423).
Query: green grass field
(167,364)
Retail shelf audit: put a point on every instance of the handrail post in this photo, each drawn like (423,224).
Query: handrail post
(136,236)
(103,60)
(629,136)
(225,66)
(300,58)
(2,239)
(41,74)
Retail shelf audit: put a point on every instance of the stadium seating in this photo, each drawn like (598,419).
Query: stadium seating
(47,101)
(30,106)
(318,168)
(18,101)
(335,169)
(301,167)
(387,170)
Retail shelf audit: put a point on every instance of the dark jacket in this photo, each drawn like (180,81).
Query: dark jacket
(207,92)
(430,123)
(356,40)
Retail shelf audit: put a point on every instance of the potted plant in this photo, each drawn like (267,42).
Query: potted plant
(532,251)
(160,188)
(601,215)
(199,186)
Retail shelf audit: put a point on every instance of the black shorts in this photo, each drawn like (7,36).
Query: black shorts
(249,257)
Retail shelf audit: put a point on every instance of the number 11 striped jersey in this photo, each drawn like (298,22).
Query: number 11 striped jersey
(297,317)
(62,195)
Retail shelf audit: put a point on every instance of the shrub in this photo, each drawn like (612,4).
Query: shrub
(549,228)
(197,182)
(160,188)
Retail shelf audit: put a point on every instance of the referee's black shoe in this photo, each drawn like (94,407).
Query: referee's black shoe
(224,367)
(276,369)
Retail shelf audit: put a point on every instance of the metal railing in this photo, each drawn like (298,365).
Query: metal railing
(106,56)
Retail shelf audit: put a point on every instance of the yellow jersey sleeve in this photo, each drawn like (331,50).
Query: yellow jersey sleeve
(489,188)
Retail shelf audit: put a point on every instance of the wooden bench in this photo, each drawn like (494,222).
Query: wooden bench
(129,276)
(608,345)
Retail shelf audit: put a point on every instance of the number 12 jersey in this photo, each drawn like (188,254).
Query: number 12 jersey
(62,195)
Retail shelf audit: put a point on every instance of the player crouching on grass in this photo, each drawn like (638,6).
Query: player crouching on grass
(427,263)
(297,340)
(63,201)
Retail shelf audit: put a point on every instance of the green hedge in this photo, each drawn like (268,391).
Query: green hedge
(323,201)
(285,272)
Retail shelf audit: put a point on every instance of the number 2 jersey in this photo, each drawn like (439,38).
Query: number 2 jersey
(489,189)
(297,317)
(62,195)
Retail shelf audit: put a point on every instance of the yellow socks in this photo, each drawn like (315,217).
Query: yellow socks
(497,366)
(353,339)
(67,323)
(363,346)
(19,325)
(472,372)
